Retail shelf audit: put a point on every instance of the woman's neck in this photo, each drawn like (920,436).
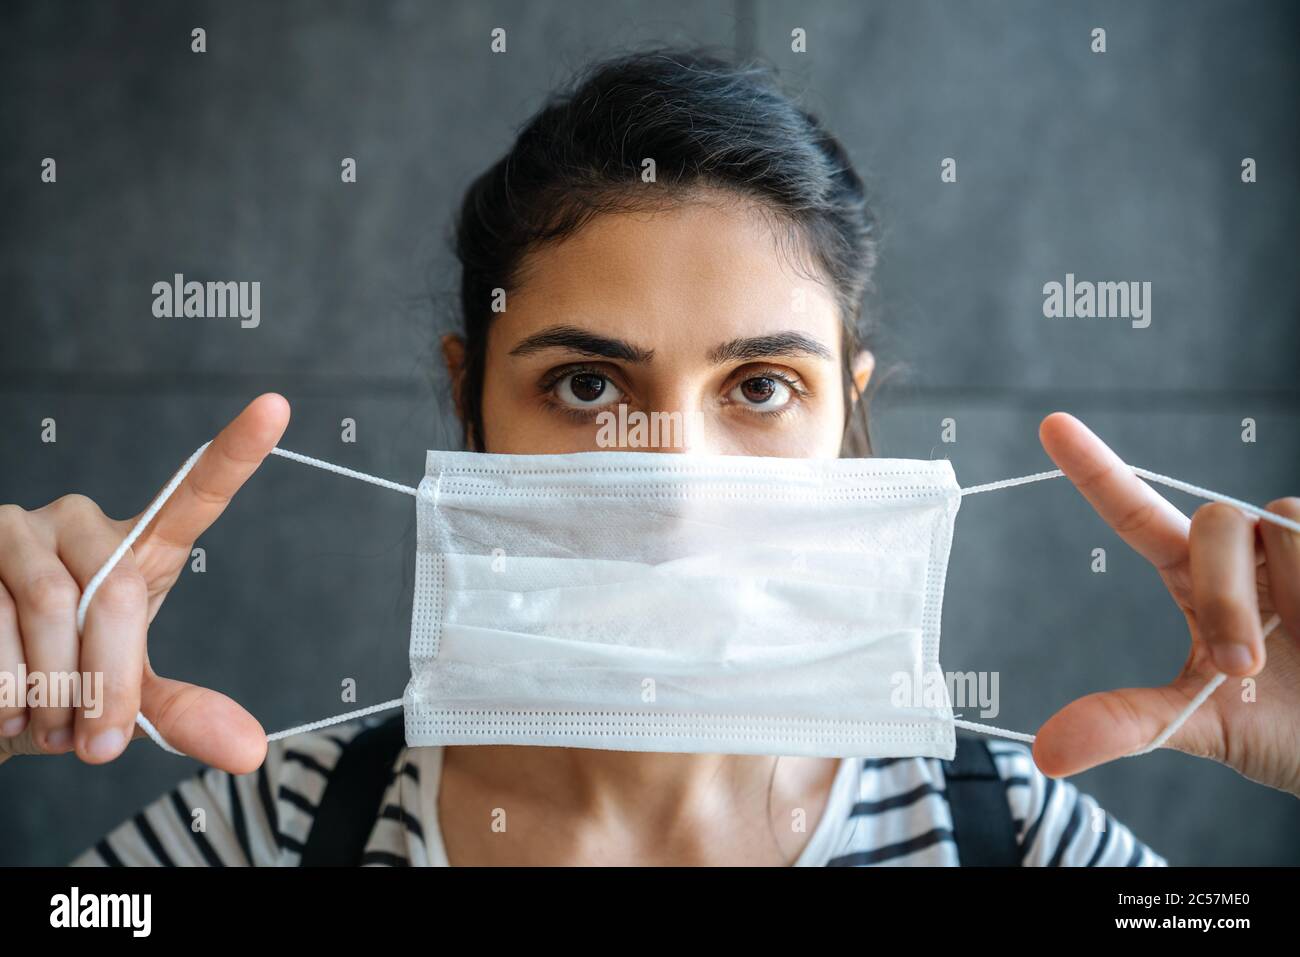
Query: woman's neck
(576,805)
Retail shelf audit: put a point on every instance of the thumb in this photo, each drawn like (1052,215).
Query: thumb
(1106,725)
(204,724)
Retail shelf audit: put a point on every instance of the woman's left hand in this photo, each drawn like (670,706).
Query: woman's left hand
(1228,572)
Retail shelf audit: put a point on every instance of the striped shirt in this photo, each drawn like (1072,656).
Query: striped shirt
(881,811)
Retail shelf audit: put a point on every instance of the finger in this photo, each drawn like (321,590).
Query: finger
(12,719)
(223,468)
(45,596)
(1107,725)
(1282,556)
(1141,516)
(204,724)
(1224,595)
(113,638)
(22,743)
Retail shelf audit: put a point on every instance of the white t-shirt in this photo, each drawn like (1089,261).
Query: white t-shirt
(880,812)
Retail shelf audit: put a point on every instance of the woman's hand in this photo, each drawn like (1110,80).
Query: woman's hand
(1229,573)
(48,555)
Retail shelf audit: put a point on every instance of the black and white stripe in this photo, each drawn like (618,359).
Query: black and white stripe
(902,818)
(896,814)
(260,819)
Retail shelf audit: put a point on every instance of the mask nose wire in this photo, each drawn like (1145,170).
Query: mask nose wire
(1219,677)
(169,489)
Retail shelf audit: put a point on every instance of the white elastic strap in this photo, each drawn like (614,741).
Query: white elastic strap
(347,473)
(1153,477)
(1219,677)
(336,719)
(151,513)
(991,730)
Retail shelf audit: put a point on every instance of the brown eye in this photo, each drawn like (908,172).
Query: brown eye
(758,390)
(587,389)
(766,392)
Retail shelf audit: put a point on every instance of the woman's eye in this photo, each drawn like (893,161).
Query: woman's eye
(586,390)
(762,392)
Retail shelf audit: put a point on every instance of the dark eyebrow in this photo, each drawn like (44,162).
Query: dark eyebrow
(762,347)
(580,340)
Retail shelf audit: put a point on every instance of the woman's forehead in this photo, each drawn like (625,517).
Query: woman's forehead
(695,274)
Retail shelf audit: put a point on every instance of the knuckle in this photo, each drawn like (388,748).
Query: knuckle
(119,698)
(51,593)
(1121,709)
(1288,507)
(122,592)
(74,503)
(1135,519)
(208,496)
(1222,616)
(12,517)
(176,707)
(1215,515)
(1093,479)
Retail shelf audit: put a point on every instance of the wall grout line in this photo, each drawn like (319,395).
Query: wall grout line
(745,41)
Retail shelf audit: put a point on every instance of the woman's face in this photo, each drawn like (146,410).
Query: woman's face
(691,317)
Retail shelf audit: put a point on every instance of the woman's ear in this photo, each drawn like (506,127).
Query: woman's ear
(453,353)
(864,363)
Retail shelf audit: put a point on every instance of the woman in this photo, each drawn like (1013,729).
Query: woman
(670,235)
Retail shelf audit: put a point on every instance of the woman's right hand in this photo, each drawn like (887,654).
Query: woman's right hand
(48,555)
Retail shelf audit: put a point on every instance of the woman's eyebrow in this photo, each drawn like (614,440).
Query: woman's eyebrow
(580,340)
(771,346)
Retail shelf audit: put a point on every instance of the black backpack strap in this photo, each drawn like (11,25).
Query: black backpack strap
(977,798)
(981,816)
(350,805)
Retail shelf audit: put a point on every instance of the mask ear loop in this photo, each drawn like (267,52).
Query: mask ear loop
(148,516)
(1219,677)
(152,511)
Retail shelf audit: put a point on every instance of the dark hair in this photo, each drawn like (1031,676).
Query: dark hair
(706,122)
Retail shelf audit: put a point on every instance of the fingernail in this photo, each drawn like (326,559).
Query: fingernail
(58,739)
(13,726)
(106,744)
(1233,658)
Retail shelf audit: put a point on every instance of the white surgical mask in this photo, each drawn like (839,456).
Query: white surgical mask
(660,602)
(649,602)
